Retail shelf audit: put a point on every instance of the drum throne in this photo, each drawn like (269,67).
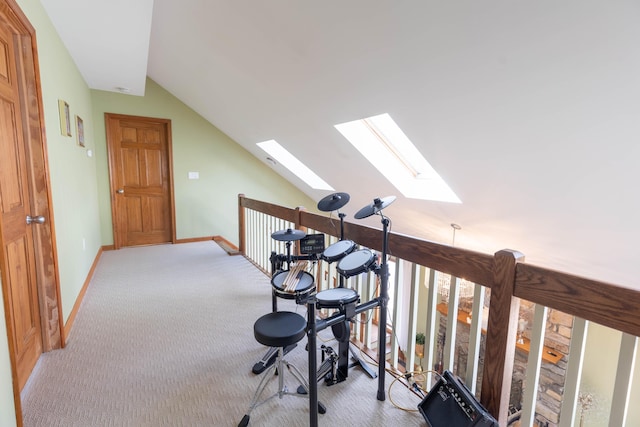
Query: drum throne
(279,329)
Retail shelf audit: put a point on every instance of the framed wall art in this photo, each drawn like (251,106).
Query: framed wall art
(80,131)
(65,118)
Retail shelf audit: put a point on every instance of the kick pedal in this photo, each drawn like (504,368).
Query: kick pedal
(327,369)
(270,357)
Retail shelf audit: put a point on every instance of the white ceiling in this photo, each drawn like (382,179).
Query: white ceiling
(529,110)
(108,40)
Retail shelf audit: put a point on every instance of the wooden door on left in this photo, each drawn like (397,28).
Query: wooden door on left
(27,255)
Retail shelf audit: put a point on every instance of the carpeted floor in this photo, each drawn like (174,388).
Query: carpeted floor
(164,337)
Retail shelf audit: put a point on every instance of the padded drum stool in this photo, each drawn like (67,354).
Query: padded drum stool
(278,329)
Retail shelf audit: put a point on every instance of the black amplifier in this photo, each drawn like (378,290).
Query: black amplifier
(312,244)
(449,403)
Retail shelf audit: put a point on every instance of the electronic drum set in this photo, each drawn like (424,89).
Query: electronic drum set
(290,280)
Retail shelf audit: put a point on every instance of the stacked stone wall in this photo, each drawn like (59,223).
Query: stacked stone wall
(552,375)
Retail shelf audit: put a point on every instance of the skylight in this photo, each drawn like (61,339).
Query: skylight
(383,143)
(295,166)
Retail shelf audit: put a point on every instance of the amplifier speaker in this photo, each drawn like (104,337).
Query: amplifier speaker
(449,403)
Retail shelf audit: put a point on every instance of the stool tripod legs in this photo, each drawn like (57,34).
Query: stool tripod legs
(278,367)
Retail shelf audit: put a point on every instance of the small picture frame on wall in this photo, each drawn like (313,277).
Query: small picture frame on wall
(65,118)
(80,131)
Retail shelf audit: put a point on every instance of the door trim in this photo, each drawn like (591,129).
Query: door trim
(117,244)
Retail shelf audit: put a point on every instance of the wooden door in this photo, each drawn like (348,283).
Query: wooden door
(141,185)
(17,236)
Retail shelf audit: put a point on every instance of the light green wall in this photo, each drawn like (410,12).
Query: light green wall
(599,373)
(7,412)
(72,173)
(207,206)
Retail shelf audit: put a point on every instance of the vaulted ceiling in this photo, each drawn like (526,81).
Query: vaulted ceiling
(530,111)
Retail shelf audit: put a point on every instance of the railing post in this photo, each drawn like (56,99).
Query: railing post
(298,219)
(298,225)
(241,226)
(501,336)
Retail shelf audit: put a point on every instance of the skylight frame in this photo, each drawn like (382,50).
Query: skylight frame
(381,141)
(293,165)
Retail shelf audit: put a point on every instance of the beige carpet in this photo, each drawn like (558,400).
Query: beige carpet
(164,337)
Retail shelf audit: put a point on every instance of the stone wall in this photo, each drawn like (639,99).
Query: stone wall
(552,375)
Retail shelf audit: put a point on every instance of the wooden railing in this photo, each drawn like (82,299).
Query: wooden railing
(509,279)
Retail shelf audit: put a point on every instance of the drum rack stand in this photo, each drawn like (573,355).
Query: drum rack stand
(331,369)
(314,326)
(335,366)
(339,374)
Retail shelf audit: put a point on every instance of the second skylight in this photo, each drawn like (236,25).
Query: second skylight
(295,166)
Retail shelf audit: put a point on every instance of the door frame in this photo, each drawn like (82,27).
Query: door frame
(117,244)
(47,274)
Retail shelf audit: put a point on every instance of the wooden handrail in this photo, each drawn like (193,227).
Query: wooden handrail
(608,304)
(287,214)
(600,302)
(473,266)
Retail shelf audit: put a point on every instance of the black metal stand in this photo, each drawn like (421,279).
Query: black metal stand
(343,336)
(384,298)
(341,216)
(313,327)
(313,375)
(342,333)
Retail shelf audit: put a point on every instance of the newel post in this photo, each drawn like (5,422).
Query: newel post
(241,226)
(501,336)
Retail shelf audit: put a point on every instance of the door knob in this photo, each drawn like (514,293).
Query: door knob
(120,191)
(35,219)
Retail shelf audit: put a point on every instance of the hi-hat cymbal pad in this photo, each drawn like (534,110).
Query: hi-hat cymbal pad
(288,235)
(375,207)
